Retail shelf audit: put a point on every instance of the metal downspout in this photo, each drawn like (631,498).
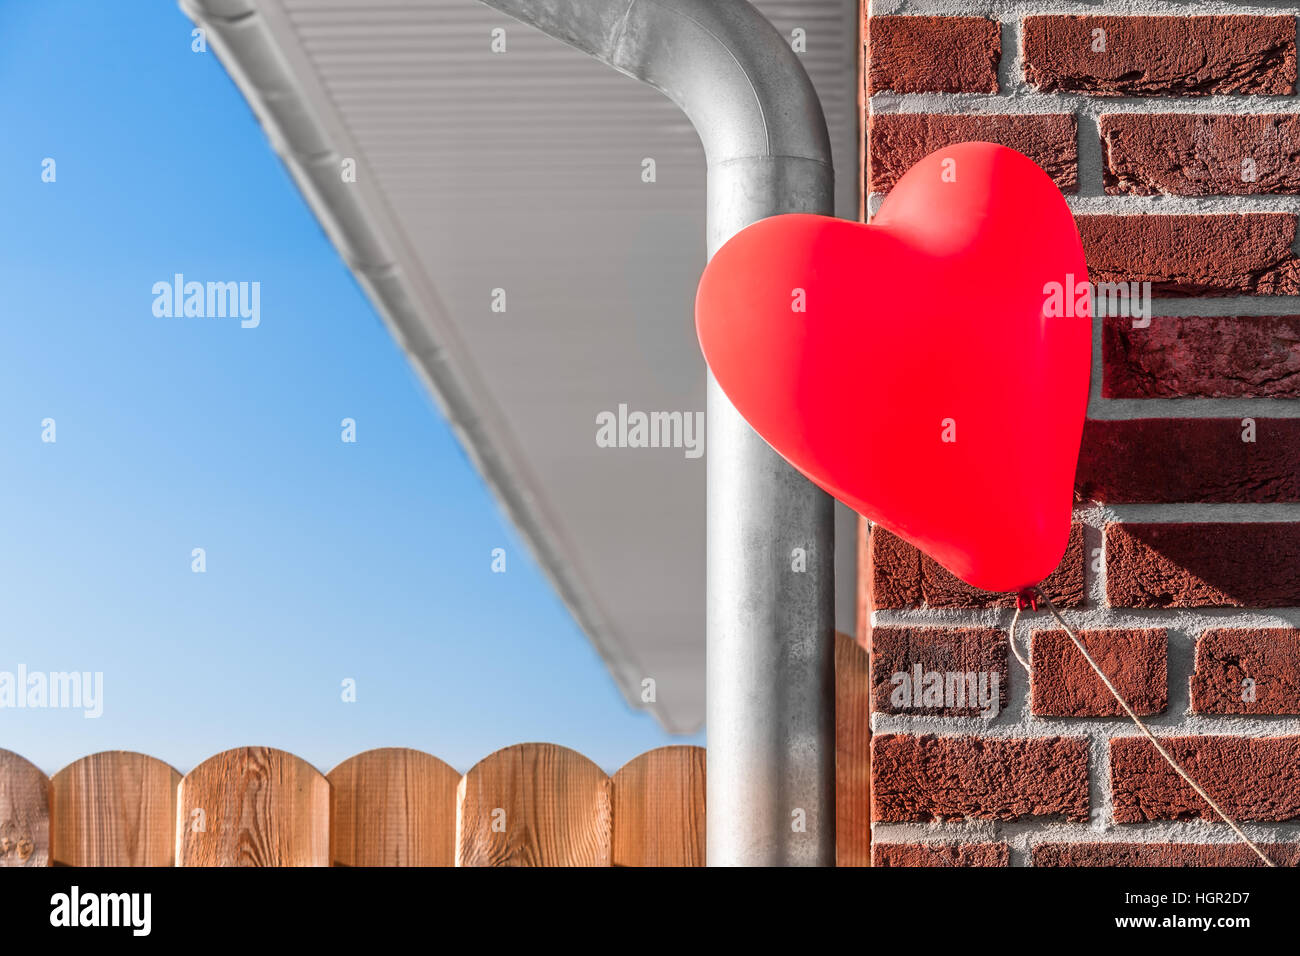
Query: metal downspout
(770,683)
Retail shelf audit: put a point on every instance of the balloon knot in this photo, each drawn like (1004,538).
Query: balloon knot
(1027,598)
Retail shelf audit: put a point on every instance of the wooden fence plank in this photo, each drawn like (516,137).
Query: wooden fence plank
(115,808)
(658,808)
(24,812)
(852,753)
(253,806)
(534,805)
(394,807)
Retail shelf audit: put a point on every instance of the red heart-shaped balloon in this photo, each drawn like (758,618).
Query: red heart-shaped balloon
(930,369)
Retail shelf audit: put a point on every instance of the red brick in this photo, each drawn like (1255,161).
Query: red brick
(899,650)
(1064,685)
(939,854)
(898,140)
(1244,254)
(1162,854)
(1195,154)
(1154,56)
(900,576)
(1189,459)
(1226,657)
(1250,778)
(929,778)
(1204,564)
(1255,356)
(933,54)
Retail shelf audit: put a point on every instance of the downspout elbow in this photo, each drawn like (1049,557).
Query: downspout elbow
(728,69)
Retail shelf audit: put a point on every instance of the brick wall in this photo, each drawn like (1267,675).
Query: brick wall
(1174,130)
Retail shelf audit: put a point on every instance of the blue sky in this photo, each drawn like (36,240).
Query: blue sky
(325,560)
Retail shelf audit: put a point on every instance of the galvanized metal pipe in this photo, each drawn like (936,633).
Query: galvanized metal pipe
(771,690)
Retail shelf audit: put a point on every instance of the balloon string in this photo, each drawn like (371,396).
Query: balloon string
(1015,648)
(1131,713)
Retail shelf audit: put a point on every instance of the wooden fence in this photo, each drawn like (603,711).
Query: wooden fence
(526,805)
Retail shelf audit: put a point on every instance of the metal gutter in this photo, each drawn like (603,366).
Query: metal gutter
(357,220)
(771,696)
(770,631)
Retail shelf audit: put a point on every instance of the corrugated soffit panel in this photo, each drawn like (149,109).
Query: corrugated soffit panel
(523,171)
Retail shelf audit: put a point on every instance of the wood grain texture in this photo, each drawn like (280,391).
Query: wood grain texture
(852,753)
(24,813)
(115,808)
(394,807)
(658,807)
(865,577)
(534,805)
(261,807)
